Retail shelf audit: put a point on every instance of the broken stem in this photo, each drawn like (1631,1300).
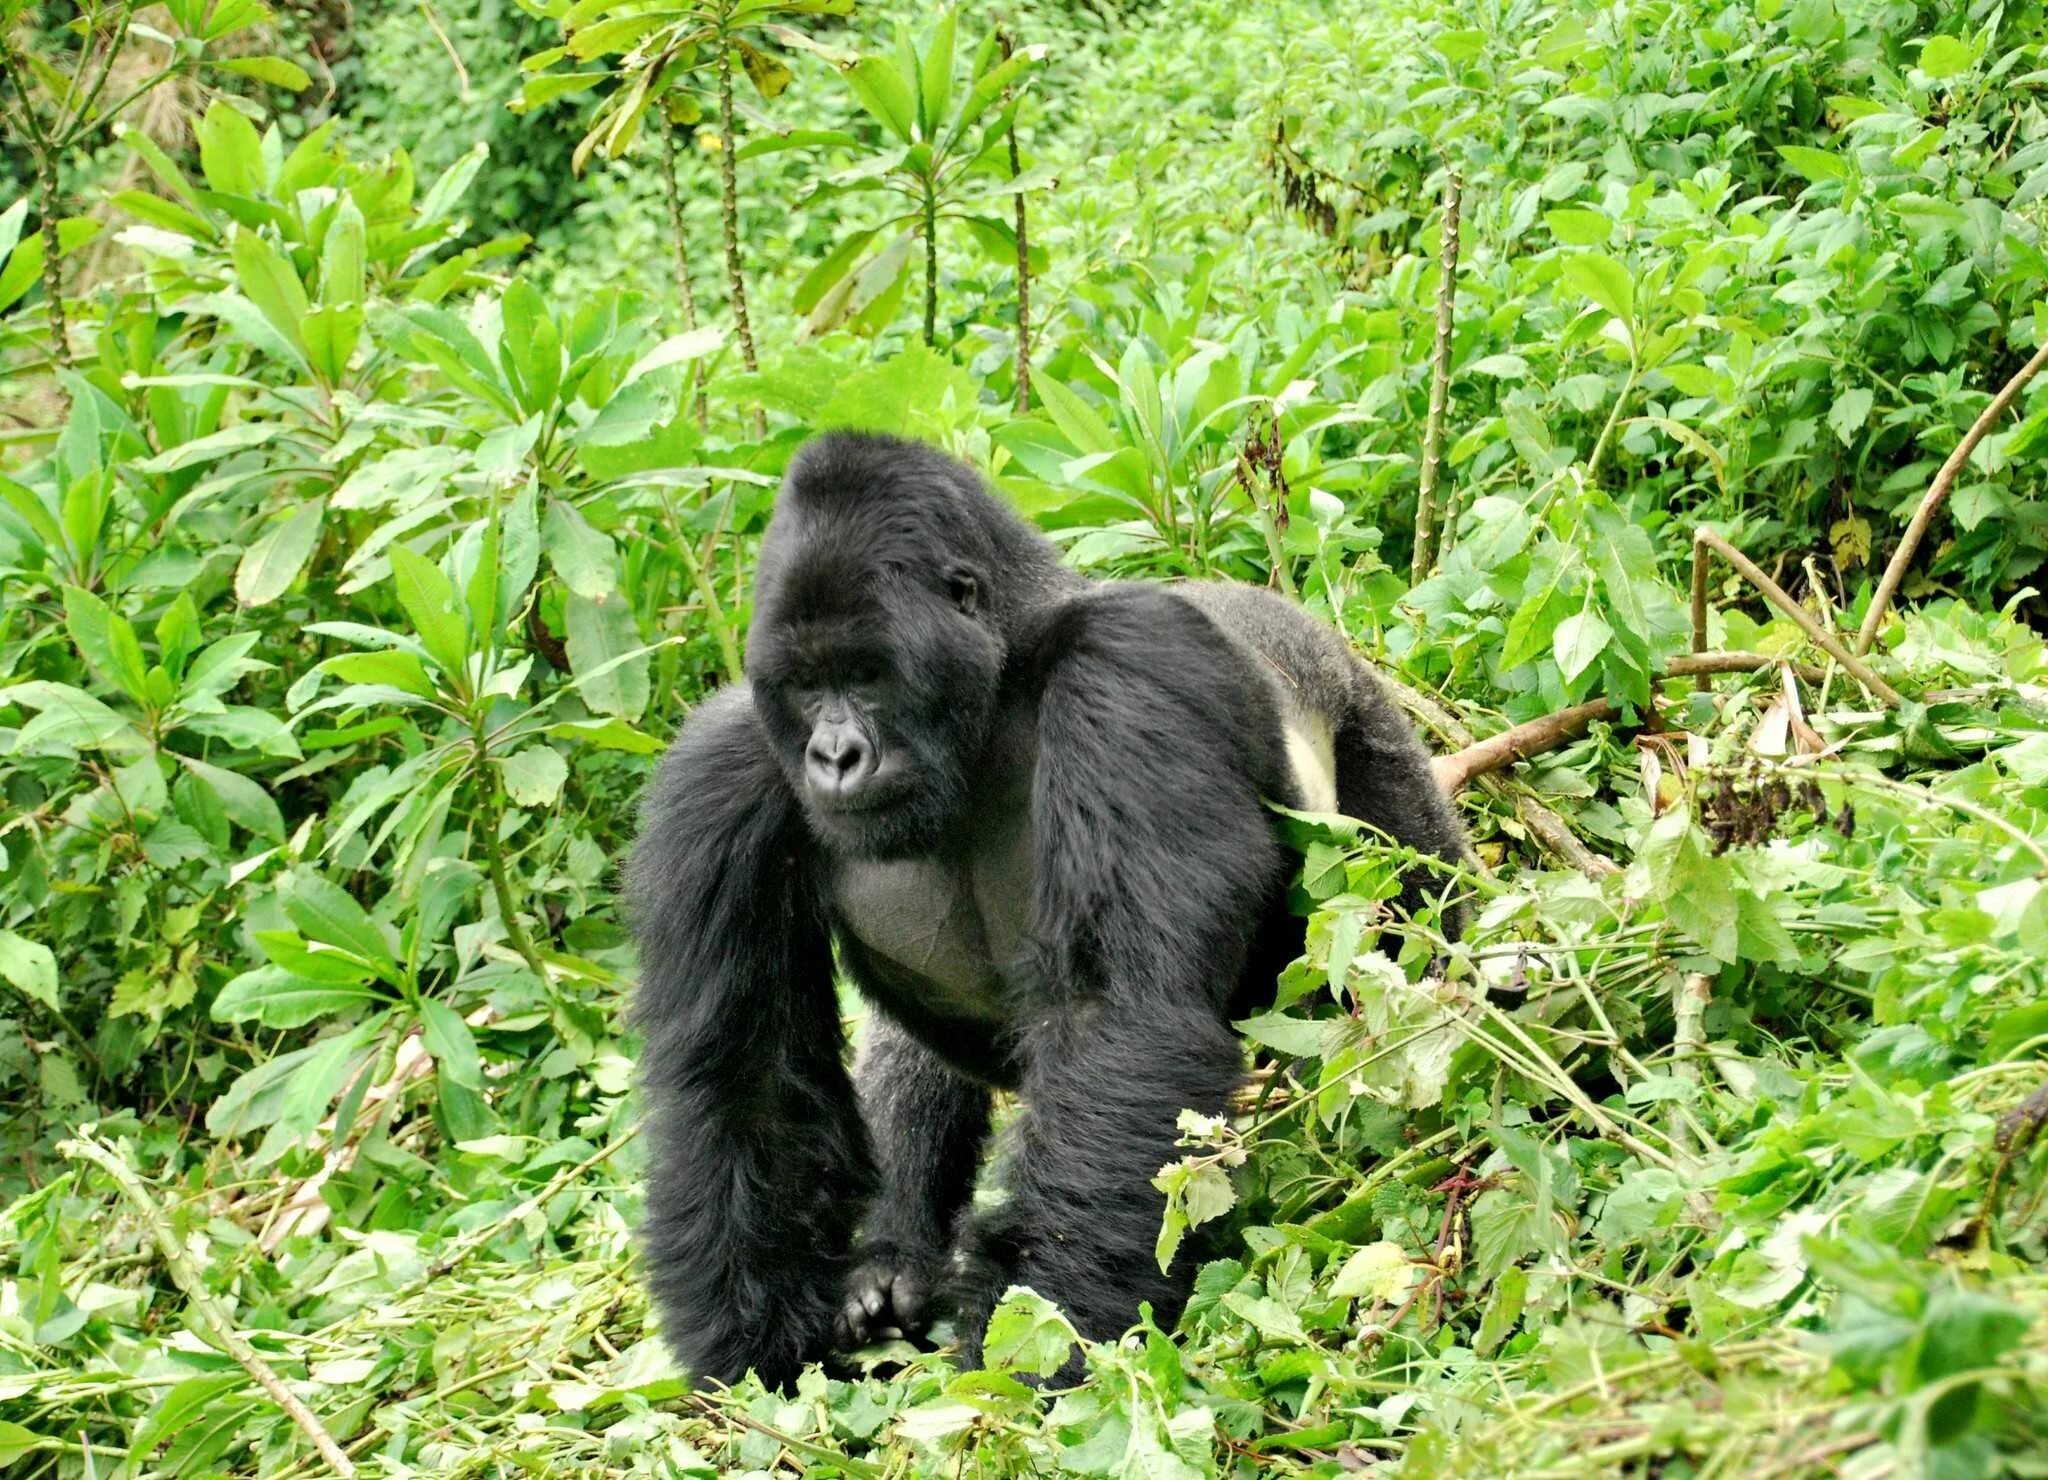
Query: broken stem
(1778,597)
(1937,491)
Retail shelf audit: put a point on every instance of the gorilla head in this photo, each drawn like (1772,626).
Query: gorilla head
(885,599)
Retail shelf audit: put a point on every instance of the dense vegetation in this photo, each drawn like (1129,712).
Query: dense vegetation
(394,393)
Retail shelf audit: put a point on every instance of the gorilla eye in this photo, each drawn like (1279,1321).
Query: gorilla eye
(963,590)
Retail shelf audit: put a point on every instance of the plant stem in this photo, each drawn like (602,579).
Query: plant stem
(729,203)
(714,613)
(44,146)
(931,268)
(683,288)
(1916,530)
(490,817)
(1778,597)
(1424,559)
(1023,262)
(53,269)
(1628,388)
(192,1281)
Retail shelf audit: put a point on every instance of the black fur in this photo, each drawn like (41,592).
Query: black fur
(1061,878)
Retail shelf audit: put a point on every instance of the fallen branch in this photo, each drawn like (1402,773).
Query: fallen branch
(1705,541)
(1454,772)
(1423,561)
(1937,491)
(1543,822)
(192,1281)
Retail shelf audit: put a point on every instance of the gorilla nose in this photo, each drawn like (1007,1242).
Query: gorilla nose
(839,761)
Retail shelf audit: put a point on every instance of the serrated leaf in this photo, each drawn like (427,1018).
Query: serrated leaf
(534,776)
(29,967)
(1579,641)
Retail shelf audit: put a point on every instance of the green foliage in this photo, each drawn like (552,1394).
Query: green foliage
(360,563)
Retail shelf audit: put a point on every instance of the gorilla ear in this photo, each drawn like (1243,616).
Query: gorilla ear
(963,587)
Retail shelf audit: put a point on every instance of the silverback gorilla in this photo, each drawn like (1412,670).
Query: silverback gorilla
(1028,809)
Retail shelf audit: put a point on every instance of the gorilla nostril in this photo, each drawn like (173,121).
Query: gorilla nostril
(839,760)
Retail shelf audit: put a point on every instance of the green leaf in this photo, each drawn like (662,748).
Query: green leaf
(268,567)
(1943,57)
(246,803)
(17,1442)
(1579,226)
(1027,1333)
(935,74)
(534,776)
(1605,281)
(274,70)
(230,150)
(583,557)
(452,1044)
(271,283)
(1850,411)
(1579,641)
(428,597)
(326,912)
(888,97)
(343,276)
(276,998)
(29,967)
(1377,1273)
(23,269)
(106,641)
(11,220)
(1814,164)
(601,633)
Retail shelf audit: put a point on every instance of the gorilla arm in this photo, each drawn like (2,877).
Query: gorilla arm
(759,1160)
(1154,862)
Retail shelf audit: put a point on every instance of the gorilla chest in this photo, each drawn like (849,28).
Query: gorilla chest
(941,929)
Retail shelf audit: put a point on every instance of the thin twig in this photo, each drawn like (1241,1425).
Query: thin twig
(461,72)
(1543,822)
(192,1281)
(1778,597)
(1916,528)
(1424,559)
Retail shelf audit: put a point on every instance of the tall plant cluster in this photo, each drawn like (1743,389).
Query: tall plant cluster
(1650,390)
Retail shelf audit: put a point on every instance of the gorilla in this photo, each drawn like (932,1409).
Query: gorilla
(1028,811)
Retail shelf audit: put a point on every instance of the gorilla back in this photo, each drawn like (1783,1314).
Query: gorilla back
(1029,811)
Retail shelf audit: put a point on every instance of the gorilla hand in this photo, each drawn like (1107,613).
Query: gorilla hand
(889,1289)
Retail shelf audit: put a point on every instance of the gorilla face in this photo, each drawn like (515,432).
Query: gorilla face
(876,679)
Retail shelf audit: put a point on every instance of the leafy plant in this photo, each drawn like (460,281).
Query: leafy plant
(938,155)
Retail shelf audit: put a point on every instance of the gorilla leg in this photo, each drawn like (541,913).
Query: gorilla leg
(1103,1092)
(927,1124)
(757,1152)
(1154,862)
